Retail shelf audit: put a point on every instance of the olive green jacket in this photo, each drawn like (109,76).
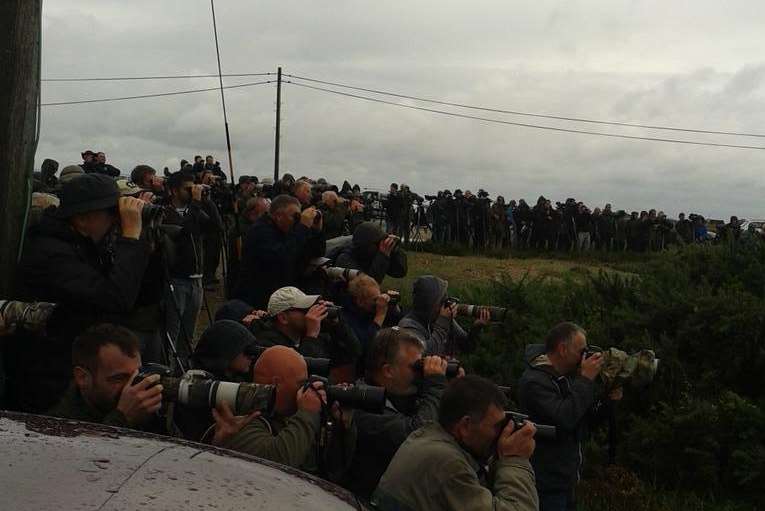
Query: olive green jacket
(73,406)
(289,441)
(431,472)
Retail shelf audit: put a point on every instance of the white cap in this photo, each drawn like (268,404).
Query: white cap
(290,298)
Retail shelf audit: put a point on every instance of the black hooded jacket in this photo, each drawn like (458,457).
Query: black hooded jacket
(61,266)
(363,254)
(560,401)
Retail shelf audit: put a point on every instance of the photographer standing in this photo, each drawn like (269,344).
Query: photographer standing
(557,388)
(105,361)
(442,467)
(277,249)
(432,318)
(191,209)
(412,394)
(64,262)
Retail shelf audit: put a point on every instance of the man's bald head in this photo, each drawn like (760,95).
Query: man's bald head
(285,368)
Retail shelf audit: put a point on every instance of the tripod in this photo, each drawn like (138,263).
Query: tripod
(171,356)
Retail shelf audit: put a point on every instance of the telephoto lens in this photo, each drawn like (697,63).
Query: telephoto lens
(198,389)
(497,314)
(362,397)
(452,368)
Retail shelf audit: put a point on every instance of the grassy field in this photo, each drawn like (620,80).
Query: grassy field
(463,271)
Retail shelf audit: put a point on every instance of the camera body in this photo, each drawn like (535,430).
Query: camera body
(544,432)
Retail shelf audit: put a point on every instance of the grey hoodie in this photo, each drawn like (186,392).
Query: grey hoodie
(425,322)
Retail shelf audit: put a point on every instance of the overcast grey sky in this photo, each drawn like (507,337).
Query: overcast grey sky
(697,64)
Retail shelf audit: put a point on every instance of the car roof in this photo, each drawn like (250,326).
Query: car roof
(53,463)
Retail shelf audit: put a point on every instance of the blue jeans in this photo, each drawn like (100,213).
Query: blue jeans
(557,501)
(181,311)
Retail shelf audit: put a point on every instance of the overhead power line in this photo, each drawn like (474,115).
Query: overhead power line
(167,77)
(520,124)
(527,114)
(157,95)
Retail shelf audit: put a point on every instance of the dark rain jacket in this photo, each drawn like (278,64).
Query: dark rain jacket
(363,254)
(73,406)
(380,435)
(61,266)
(200,218)
(336,342)
(272,259)
(560,401)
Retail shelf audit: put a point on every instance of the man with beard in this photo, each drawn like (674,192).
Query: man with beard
(392,362)
(105,361)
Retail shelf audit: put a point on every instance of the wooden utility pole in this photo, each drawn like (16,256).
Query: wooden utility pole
(278,122)
(19,92)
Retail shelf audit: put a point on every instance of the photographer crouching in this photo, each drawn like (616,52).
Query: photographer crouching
(105,361)
(311,326)
(413,386)
(65,262)
(290,435)
(472,458)
(431,319)
(558,388)
(374,252)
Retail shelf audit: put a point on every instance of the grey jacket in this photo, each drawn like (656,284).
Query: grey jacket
(432,472)
(425,323)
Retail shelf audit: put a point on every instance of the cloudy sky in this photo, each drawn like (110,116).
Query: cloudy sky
(693,64)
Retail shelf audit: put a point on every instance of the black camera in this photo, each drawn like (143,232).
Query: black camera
(317,218)
(333,312)
(198,389)
(395,298)
(452,368)
(544,432)
(318,366)
(363,397)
